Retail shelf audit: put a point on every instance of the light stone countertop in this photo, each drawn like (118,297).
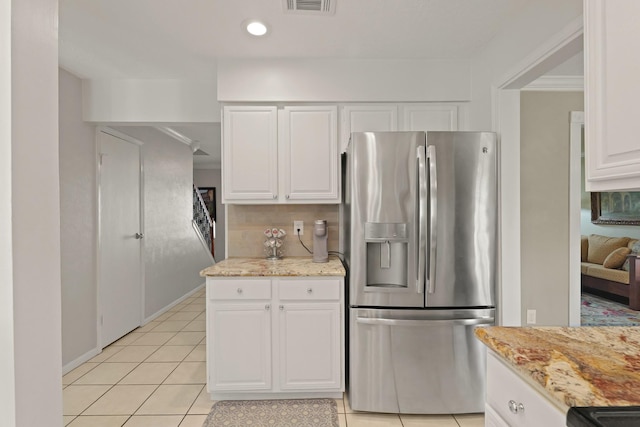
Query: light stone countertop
(287,266)
(582,366)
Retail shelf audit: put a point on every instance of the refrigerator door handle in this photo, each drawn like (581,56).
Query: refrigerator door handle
(425,322)
(433,216)
(422,196)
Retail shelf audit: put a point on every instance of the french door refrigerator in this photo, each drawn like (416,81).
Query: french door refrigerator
(419,219)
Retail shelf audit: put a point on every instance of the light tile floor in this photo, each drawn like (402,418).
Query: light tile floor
(156,375)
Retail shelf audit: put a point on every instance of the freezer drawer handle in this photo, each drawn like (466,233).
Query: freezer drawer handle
(424,322)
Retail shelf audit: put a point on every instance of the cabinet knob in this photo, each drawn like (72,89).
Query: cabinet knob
(275,196)
(309,290)
(287,196)
(282,308)
(267,307)
(239,291)
(515,407)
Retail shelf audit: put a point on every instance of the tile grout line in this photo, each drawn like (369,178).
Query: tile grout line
(195,316)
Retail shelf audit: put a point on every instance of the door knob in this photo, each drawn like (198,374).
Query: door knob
(139,235)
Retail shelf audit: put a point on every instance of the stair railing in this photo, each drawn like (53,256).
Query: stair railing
(202,220)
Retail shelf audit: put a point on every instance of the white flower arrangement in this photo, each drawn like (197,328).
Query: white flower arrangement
(273,242)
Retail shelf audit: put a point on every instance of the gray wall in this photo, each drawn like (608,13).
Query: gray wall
(174,255)
(78,228)
(213,178)
(544,203)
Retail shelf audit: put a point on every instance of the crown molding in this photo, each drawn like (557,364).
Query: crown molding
(193,144)
(557,83)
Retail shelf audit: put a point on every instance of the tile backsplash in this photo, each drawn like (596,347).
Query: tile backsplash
(246,224)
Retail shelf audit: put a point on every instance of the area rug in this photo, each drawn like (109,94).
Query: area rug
(597,311)
(273,413)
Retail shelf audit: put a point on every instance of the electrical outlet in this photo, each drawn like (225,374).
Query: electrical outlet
(298,225)
(531,317)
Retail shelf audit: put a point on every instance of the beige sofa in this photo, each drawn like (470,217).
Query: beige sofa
(611,267)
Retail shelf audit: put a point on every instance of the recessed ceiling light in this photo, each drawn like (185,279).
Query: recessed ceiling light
(256,28)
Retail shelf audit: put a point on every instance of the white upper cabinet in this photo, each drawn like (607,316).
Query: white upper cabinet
(428,117)
(309,154)
(250,154)
(367,118)
(392,117)
(612,61)
(280,156)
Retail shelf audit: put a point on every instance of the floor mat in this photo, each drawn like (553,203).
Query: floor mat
(274,413)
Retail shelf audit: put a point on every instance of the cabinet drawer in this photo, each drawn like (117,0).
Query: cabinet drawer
(310,290)
(504,386)
(240,289)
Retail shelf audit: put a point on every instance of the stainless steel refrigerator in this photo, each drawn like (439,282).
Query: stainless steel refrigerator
(420,221)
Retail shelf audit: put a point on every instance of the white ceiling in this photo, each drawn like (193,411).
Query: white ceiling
(185,38)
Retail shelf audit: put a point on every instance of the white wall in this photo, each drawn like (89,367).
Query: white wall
(78,228)
(151,100)
(544,191)
(343,80)
(173,254)
(7,355)
(31,389)
(522,35)
(213,178)
(509,55)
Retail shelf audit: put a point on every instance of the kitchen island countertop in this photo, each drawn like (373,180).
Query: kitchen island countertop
(573,366)
(287,266)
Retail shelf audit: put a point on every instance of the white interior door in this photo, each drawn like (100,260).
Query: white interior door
(120,268)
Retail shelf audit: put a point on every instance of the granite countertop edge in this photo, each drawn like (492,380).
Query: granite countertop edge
(572,366)
(285,267)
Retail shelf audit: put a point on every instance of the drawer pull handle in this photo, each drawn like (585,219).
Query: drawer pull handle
(515,407)
(240,291)
(309,290)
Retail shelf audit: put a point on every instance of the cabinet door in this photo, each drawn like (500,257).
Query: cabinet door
(428,117)
(250,154)
(240,353)
(310,346)
(492,419)
(309,142)
(612,59)
(367,118)
(516,402)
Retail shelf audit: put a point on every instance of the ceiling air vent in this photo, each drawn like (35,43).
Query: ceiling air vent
(316,7)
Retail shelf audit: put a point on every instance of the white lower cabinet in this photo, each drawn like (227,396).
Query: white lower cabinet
(512,402)
(279,337)
(241,355)
(310,346)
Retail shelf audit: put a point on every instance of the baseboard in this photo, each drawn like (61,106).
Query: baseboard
(170,306)
(80,360)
